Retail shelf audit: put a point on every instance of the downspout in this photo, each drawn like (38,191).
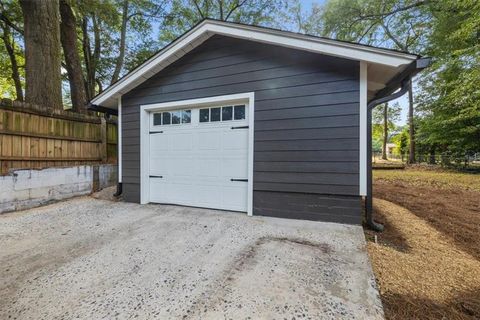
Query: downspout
(369,202)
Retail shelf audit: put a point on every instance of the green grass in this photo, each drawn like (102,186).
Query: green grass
(437,178)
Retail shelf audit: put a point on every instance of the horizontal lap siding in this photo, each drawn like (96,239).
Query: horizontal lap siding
(306,121)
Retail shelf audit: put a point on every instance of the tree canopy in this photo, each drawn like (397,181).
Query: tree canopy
(101,40)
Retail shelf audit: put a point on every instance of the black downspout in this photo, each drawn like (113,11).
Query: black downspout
(369,202)
(119,191)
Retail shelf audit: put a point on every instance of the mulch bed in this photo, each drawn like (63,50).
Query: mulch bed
(427,261)
(453,212)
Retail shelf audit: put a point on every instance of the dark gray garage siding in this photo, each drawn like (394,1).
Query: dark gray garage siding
(306,123)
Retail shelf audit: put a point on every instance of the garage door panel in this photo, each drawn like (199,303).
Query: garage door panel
(209,140)
(180,141)
(235,139)
(234,168)
(235,196)
(207,195)
(197,162)
(208,167)
(159,143)
(181,167)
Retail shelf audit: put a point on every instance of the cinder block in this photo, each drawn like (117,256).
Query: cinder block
(21,195)
(41,192)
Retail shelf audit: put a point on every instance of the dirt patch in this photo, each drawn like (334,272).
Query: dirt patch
(106,194)
(454,212)
(430,278)
(325,248)
(247,257)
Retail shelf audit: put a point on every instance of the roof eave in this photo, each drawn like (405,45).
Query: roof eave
(408,73)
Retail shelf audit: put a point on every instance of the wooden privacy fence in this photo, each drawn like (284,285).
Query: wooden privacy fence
(32,137)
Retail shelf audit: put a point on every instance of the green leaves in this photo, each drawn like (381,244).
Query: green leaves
(450,101)
(184,14)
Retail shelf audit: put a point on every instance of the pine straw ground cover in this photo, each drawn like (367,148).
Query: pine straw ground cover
(427,261)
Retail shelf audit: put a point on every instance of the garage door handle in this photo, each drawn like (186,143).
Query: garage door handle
(153,132)
(243,180)
(156,176)
(240,127)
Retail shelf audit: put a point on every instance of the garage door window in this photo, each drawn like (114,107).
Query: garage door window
(239,112)
(172,117)
(157,119)
(215,114)
(166,118)
(204,115)
(186,116)
(225,113)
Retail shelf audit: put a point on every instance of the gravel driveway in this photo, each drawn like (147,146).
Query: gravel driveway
(93,259)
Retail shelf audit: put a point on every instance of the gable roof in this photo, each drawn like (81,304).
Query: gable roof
(385,63)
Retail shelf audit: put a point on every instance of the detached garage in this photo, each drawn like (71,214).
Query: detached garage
(250,119)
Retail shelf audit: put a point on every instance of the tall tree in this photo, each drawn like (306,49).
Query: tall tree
(91,55)
(121,50)
(411,127)
(42,52)
(385,131)
(9,44)
(11,30)
(401,142)
(116,36)
(449,102)
(68,36)
(384,118)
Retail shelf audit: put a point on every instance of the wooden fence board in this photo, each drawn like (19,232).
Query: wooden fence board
(34,138)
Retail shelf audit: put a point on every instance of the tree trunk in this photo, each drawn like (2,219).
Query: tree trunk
(121,49)
(411,154)
(432,155)
(91,58)
(385,131)
(68,35)
(87,56)
(43,85)
(10,47)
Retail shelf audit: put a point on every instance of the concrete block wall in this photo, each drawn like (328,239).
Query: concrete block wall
(23,189)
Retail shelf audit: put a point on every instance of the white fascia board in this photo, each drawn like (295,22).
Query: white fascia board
(208,28)
(328,47)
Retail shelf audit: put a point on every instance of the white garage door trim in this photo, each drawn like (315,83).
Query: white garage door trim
(145,110)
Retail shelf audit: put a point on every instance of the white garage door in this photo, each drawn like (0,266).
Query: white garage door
(199,157)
